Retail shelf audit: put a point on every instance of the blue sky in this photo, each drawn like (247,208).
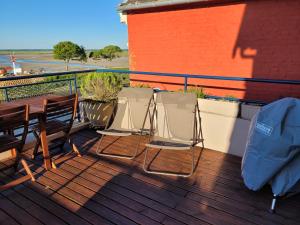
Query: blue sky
(40,24)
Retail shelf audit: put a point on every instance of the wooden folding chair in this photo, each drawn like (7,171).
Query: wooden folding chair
(59,114)
(10,120)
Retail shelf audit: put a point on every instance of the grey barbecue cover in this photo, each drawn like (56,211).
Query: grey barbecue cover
(273,147)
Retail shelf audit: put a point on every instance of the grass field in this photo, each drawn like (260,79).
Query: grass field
(23,52)
(43,51)
(49,85)
(34,60)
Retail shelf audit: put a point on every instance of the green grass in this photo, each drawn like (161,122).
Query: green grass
(124,53)
(37,90)
(2,98)
(24,52)
(81,77)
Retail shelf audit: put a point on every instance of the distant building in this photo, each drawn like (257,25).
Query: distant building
(18,70)
(259,39)
(4,70)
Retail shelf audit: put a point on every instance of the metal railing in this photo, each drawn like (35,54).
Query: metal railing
(17,87)
(73,82)
(207,77)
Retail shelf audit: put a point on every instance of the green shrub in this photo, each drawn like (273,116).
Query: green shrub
(140,85)
(109,52)
(230,98)
(2,96)
(101,86)
(199,91)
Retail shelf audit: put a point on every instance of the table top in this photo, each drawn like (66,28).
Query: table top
(35,103)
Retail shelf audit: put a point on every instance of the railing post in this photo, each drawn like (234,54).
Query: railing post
(75,83)
(75,90)
(185,83)
(6,95)
(70,86)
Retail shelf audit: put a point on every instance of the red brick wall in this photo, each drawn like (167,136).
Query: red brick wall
(258,39)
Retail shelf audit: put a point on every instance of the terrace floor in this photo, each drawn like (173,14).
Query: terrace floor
(97,190)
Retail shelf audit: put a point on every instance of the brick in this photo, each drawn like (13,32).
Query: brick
(258,39)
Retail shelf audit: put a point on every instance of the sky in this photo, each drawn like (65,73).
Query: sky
(40,24)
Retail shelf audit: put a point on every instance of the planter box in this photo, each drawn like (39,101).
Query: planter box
(222,129)
(224,108)
(95,112)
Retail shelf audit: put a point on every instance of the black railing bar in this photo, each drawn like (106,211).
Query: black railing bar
(142,73)
(32,84)
(45,75)
(209,77)
(261,80)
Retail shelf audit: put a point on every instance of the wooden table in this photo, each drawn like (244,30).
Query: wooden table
(36,112)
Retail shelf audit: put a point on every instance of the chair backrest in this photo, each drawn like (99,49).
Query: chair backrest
(63,106)
(132,109)
(14,118)
(175,116)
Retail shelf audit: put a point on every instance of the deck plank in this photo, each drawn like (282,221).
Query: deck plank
(6,219)
(83,202)
(99,190)
(17,212)
(261,212)
(40,213)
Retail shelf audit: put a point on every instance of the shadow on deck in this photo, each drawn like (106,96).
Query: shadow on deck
(98,190)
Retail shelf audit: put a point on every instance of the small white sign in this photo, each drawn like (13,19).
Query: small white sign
(264,129)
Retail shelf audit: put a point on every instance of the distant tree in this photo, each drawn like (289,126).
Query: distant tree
(66,50)
(91,54)
(96,54)
(82,54)
(109,52)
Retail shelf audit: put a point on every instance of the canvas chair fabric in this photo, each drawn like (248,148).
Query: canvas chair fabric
(132,117)
(132,108)
(175,121)
(175,126)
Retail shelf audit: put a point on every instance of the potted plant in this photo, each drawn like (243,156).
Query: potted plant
(99,92)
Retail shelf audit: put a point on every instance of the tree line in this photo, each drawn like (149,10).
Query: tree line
(67,50)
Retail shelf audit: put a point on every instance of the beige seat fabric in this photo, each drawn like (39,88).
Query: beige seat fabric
(132,114)
(175,124)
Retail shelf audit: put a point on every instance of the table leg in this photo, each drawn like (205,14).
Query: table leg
(44,142)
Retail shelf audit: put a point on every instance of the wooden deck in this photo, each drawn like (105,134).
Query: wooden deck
(97,190)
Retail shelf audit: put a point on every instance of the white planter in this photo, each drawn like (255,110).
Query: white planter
(222,129)
(224,108)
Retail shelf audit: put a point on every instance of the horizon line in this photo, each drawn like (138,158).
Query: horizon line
(40,49)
